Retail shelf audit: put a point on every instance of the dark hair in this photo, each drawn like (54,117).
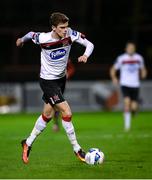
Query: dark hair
(131,42)
(57,18)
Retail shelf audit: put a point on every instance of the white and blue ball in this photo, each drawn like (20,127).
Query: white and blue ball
(94,156)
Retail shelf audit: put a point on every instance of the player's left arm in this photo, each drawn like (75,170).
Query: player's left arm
(89,48)
(143,70)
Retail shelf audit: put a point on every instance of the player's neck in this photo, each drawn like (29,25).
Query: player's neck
(55,36)
(131,54)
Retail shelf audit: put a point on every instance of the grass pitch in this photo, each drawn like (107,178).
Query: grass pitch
(127,155)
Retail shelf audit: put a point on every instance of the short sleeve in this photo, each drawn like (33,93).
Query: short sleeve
(117,63)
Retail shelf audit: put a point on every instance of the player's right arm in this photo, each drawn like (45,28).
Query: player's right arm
(29,36)
(113,75)
(113,71)
(19,42)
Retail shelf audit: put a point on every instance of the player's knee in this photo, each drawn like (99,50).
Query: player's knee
(48,113)
(134,105)
(46,116)
(66,114)
(67,117)
(127,104)
(126,109)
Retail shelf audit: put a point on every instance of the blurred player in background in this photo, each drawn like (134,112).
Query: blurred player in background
(55,49)
(132,68)
(69,74)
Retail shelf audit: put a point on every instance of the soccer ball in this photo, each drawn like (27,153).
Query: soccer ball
(94,156)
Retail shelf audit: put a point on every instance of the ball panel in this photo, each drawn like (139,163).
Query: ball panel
(94,156)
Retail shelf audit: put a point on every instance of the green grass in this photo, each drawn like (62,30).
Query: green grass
(127,155)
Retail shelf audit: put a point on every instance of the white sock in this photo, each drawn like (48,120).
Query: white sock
(127,120)
(40,125)
(68,126)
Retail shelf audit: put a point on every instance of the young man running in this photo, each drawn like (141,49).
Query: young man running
(55,49)
(132,68)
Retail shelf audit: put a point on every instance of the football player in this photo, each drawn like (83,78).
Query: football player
(132,68)
(55,48)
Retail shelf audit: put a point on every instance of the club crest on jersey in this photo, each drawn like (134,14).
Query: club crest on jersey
(57,54)
(74,33)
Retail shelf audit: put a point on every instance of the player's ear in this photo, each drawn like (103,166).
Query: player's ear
(53,27)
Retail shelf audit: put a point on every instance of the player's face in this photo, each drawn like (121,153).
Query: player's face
(61,29)
(130,48)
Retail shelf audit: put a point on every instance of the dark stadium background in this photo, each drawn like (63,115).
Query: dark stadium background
(109,24)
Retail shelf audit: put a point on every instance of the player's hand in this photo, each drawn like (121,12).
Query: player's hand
(115,81)
(83,59)
(19,42)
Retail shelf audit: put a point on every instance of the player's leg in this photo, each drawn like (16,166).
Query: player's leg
(127,113)
(134,100)
(56,119)
(134,107)
(126,91)
(69,128)
(39,126)
(41,123)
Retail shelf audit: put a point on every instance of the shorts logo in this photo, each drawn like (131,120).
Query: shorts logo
(56,98)
(57,54)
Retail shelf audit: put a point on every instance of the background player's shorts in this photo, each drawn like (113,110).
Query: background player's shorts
(53,90)
(132,93)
